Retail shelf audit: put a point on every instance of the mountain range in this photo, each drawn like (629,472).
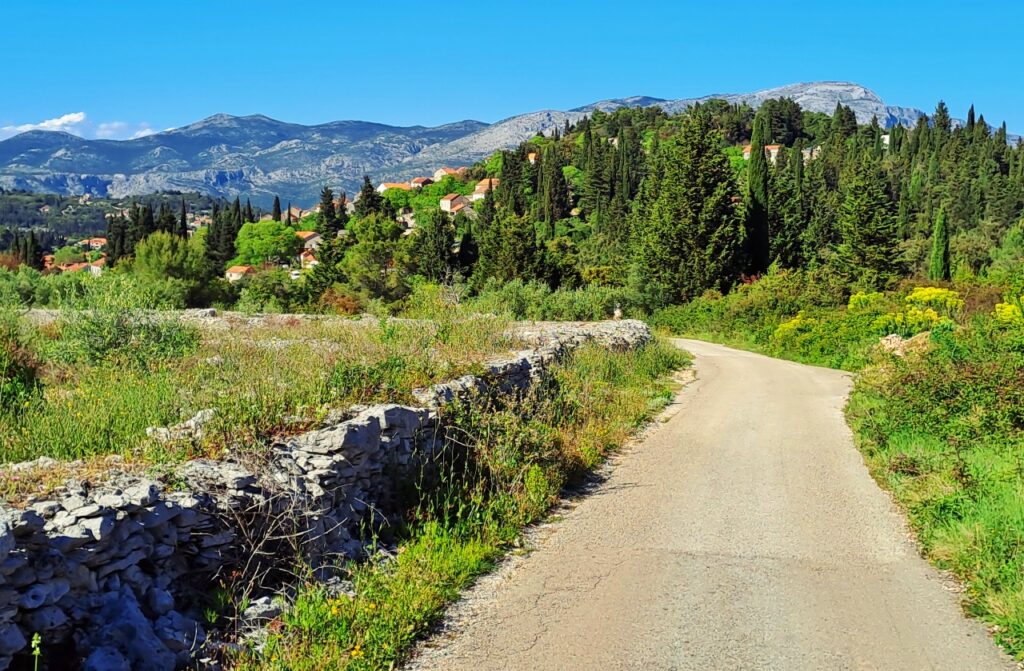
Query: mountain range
(259,157)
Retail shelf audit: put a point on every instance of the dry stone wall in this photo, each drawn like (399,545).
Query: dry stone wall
(115,575)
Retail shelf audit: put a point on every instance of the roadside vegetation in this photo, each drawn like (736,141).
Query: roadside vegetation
(504,466)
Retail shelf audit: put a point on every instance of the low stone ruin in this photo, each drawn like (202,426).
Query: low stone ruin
(115,575)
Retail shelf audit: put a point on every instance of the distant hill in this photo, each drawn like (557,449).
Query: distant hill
(259,157)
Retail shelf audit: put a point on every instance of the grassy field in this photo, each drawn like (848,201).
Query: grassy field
(506,467)
(90,384)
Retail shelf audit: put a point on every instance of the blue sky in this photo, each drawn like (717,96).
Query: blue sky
(105,68)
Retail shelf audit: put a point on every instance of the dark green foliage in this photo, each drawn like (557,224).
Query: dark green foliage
(369,201)
(869,252)
(758,249)
(328,223)
(182,229)
(508,249)
(938,268)
(276,212)
(19,367)
(432,255)
(688,231)
(554,194)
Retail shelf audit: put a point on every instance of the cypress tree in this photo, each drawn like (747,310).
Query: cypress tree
(938,268)
(276,214)
(183,220)
(758,235)
(328,217)
(148,225)
(555,193)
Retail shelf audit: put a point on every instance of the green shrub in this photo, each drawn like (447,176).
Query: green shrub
(536,301)
(19,368)
(117,320)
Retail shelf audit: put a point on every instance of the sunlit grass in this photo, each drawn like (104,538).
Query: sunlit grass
(506,467)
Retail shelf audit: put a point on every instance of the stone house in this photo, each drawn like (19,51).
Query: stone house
(453,202)
(236,273)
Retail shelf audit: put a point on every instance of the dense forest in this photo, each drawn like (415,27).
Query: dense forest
(635,208)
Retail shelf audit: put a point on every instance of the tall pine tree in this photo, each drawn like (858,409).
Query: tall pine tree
(938,268)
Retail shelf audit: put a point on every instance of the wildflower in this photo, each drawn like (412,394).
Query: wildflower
(357,652)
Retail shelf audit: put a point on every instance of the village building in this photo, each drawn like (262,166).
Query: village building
(482,187)
(310,239)
(94,243)
(453,202)
(307,259)
(97,267)
(771,151)
(532,157)
(441,173)
(420,182)
(236,273)
(406,217)
(393,185)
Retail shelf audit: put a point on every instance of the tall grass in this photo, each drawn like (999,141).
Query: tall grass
(108,375)
(944,431)
(503,467)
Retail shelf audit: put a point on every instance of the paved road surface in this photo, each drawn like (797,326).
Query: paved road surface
(743,533)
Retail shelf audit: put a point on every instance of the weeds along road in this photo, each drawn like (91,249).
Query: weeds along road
(742,533)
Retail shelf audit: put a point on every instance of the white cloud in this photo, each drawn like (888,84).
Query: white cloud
(78,123)
(69,123)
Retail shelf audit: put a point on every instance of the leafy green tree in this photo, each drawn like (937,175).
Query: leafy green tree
(431,253)
(67,255)
(374,264)
(938,268)
(507,248)
(688,233)
(266,241)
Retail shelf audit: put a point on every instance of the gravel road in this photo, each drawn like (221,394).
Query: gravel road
(743,532)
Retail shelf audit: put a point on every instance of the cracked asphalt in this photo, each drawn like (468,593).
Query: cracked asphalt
(742,532)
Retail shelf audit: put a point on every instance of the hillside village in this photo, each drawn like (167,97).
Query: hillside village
(305,221)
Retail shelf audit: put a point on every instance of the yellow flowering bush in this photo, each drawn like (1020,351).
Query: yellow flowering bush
(910,322)
(789,329)
(863,303)
(1010,312)
(943,301)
